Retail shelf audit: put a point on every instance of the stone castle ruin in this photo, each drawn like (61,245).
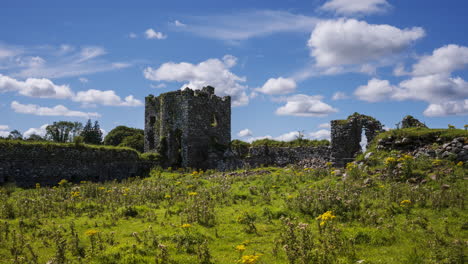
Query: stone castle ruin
(188,128)
(192,128)
(346,136)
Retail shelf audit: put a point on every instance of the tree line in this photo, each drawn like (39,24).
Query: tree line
(66,131)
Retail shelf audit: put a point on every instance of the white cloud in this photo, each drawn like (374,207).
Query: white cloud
(288,136)
(132,35)
(88,53)
(61,61)
(58,110)
(4,127)
(83,80)
(305,105)
(177,23)
(212,72)
(8,52)
(443,60)
(42,88)
(151,34)
(325,125)
(349,41)
(339,96)
(356,7)
(320,134)
(242,26)
(252,139)
(91,97)
(245,133)
(158,86)
(447,108)
(278,86)
(375,90)
(40,131)
(432,88)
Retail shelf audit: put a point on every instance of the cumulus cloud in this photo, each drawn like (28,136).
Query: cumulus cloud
(42,88)
(278,86)
(443,60)
(151,34)
(40,131)
(320,134)
(4,131)
(305,105)
(349,41)
(432,88)
(459,107)
(375,90)
(45,88)
(339,96)
(289,136)
(58,110)
(109,98)
(212,72)
(356,7)
(245,25)
(245,133)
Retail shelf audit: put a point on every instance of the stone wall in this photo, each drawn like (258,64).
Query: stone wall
(28,164)
(271,156)
(188,128)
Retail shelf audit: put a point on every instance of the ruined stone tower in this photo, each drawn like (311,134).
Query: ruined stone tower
(346,136)
(188,128)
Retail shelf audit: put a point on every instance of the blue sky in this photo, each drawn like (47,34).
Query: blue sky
(289,65)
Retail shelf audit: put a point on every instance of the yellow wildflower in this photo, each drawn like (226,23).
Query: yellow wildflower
(325,217)
(167,196)
(460,164)
(38,185)
(240,247)
(192,193)
(249,259)
(328,164)
(177,183)
(62,182)
(186,226)
(75,194)
(101,188)
(437,162)
(405,203)
(390,160)
(91,232)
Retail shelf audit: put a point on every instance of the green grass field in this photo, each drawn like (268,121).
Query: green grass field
(399,210)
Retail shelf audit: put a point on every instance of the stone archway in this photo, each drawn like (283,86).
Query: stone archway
(346,136)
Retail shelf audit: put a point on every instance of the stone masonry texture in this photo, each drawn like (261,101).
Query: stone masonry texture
(188,128)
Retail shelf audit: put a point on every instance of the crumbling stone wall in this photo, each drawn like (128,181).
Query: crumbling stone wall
(257,156)
(28,164)
(188,128)
(346,136)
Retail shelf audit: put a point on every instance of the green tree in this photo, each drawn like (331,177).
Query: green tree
(136,141)
(15,134)
(117,135)
(35,137)
(92,134)
(61,131)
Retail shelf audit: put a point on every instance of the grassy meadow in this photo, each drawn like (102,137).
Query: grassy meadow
(394,209)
